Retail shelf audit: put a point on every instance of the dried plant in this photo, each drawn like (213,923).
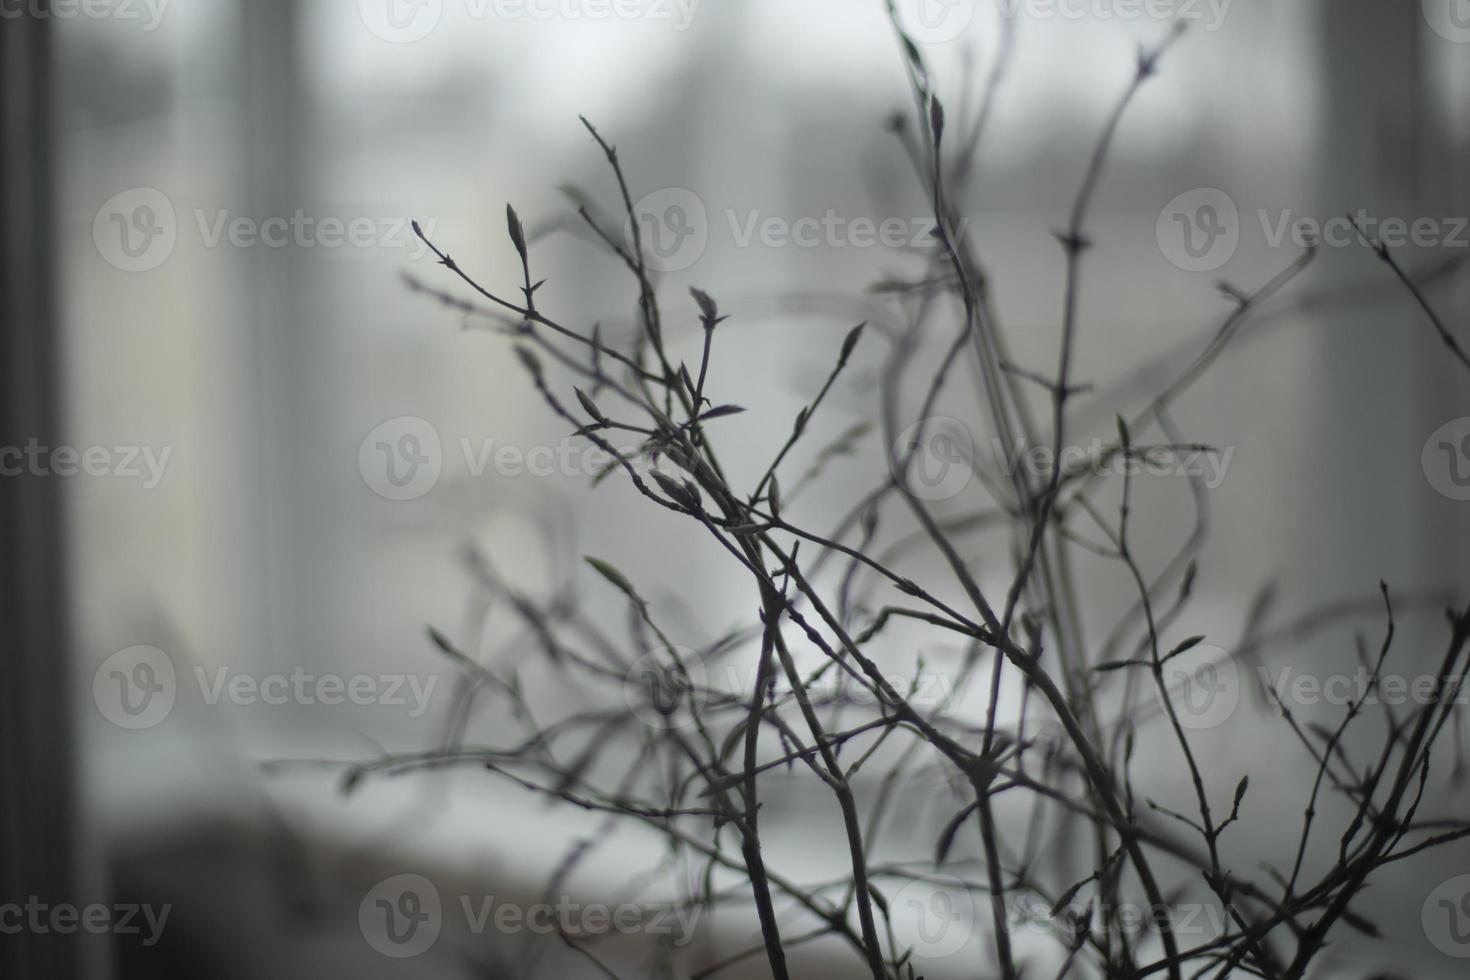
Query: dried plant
(1039,791)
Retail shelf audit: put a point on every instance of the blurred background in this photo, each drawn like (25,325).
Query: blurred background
(207,209)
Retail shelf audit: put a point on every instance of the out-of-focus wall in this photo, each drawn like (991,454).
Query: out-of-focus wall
(316,443)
